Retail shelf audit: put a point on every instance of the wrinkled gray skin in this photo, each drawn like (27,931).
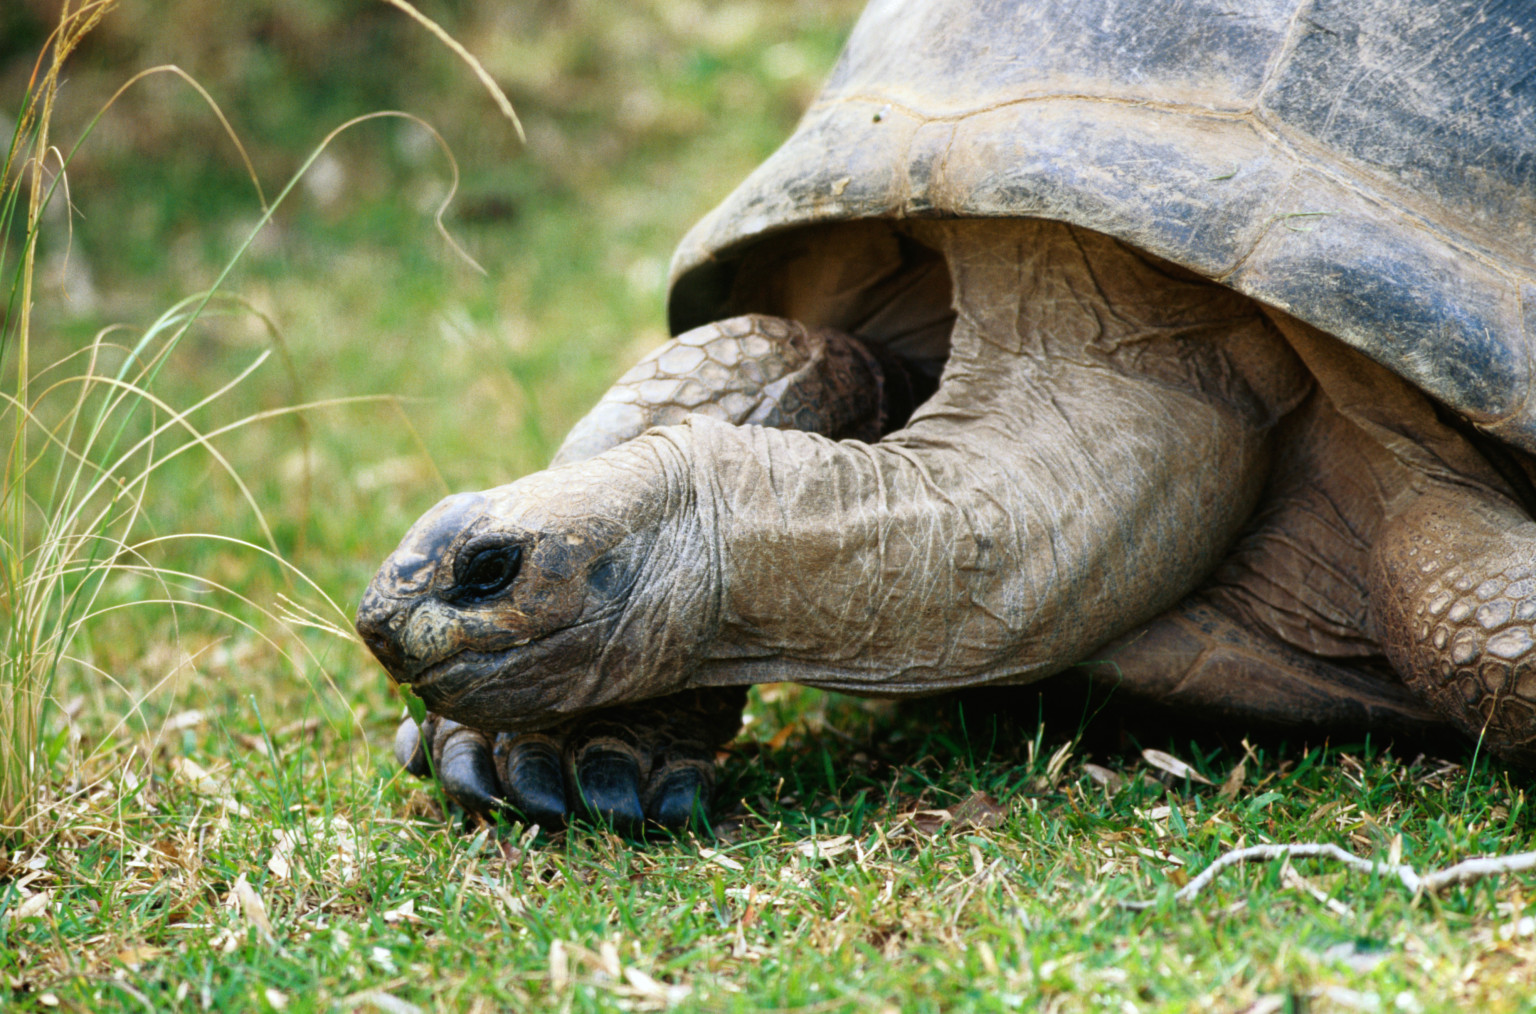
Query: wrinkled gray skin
(1155,438)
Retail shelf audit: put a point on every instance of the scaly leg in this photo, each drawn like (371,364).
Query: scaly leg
(1281,634)
(1453,596)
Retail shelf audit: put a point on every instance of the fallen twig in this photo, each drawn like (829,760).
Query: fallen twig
(1463,872)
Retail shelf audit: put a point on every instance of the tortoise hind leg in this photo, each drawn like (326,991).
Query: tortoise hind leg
(1199,660)
(1280,635)
(1453,599)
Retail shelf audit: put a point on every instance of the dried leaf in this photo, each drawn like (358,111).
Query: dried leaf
(1158,856)
(648,989)
(1234,782)
(307,727)
(586,958)
(193,775)
(137,954)
(608,954)
(244,897)
(559,966)
(379,1000)
(720,859)
(183,720)
(36,905)
(825,848)
(1111,780)
(978,810)
(1523,927)
(404,912)
(781,737)
(1173,766)
(328,849)
(190,773)
(255,743)
(645,984)
(752,896)
(928,821)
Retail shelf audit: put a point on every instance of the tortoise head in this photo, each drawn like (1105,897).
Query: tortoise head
(519,606)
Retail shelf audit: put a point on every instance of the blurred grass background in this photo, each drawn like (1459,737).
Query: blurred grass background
(639,118)
(867,860)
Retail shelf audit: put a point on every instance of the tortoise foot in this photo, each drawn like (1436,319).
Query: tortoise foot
(636,768)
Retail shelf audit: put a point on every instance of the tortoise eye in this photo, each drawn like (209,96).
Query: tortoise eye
(488,572)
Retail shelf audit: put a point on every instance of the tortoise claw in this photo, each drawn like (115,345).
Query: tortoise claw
(644,765)
(466,769)
(409,753)
(532,777)
(677,795)
(608,782)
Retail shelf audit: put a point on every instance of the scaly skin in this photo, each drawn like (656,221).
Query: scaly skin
(1454,589)
(751,370)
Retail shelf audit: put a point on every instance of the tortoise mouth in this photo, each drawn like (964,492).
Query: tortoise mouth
(428,683)
(488,690)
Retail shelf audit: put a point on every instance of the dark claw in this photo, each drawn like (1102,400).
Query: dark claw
(608,780)
(678,795)
(645,764)
(408,749)
(467,771)
(532,777)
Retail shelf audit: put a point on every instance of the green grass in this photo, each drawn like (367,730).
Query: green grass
(190,748)
(909,911)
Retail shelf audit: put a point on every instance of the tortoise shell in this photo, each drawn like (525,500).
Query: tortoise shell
(1368,166)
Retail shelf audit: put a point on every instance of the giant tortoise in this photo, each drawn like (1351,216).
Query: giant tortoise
(1195,338)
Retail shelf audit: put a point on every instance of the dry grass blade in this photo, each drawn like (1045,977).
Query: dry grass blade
(212,105)
(1463,872)
(1170,764)
(500,97)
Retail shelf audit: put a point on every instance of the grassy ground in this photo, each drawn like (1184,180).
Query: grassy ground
(225,829)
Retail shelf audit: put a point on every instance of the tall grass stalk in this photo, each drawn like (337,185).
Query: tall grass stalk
(36,556)
(86,435)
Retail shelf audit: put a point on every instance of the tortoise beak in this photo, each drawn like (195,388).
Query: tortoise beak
(377,621)
(404,581)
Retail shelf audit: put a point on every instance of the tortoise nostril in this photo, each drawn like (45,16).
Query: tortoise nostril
(379,642)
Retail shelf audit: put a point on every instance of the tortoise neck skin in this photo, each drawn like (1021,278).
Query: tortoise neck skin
(1099,437)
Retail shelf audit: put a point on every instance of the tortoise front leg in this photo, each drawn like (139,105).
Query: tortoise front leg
(753,370)
(655,760)
(1453,598)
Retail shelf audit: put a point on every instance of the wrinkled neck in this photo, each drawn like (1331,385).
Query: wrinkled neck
(1089,456)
